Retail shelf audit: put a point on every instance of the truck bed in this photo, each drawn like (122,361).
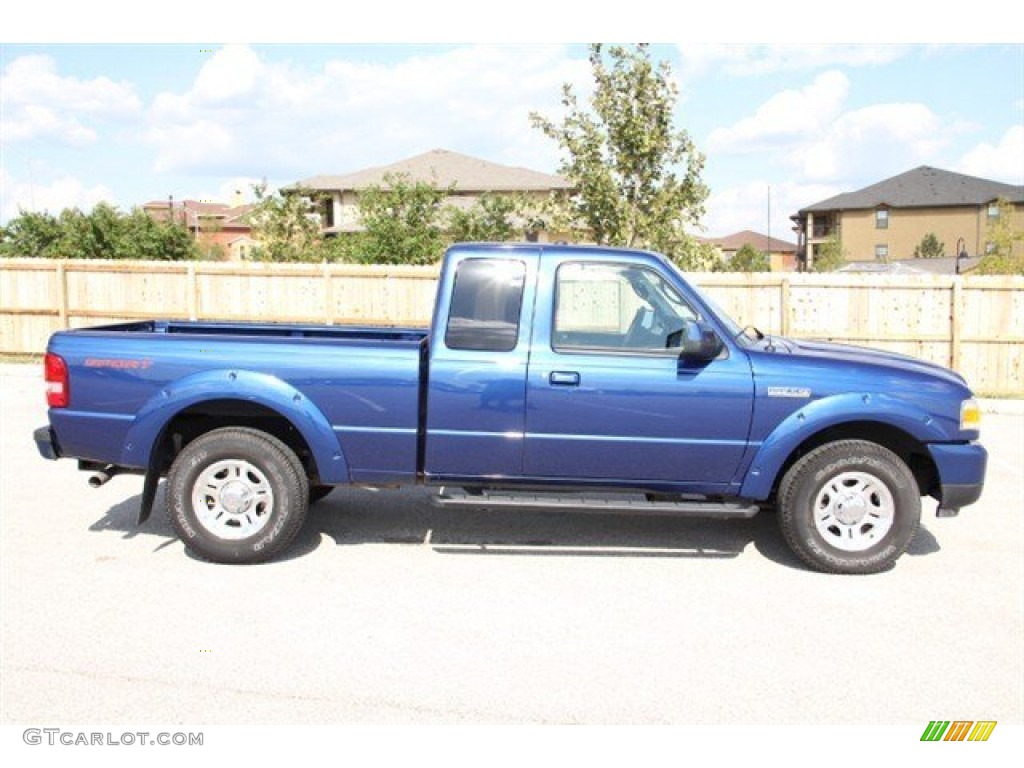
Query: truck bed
(364,380)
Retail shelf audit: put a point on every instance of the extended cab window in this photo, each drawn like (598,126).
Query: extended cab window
(486,303)
(615,307)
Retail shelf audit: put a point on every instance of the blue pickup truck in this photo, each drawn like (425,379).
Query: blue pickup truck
(552,377)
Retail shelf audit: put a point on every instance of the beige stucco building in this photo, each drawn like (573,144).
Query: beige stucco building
(469,178)
(888,220)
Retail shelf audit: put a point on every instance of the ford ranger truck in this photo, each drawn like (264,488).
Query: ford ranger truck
(552,377)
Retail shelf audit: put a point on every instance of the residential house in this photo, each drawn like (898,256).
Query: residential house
(470,177)
(219,229)
(888,220)
(781,253)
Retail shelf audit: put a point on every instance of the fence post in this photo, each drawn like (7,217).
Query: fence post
(785,325)
(328,294)
(62,294)
(192,291)
(955,312)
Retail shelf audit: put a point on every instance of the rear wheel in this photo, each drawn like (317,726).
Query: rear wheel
(237,495)
(850,506)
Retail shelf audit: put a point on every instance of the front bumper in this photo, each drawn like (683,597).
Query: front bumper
(961,468)
(46,443)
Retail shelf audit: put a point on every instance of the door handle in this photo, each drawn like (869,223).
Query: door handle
(564,379)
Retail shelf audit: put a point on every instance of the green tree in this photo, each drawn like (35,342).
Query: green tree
(492,218)
(93,235)
(748,259)
(285,225)
(30,234)
(103,233)
(1001,258)
(830,256)
(638,178)
(402,222)
(930,247)
(144,237)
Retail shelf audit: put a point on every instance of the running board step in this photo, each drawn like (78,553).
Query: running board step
(583,502)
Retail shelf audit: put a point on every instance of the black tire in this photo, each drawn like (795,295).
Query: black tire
(237,495)
(850,506)
(317,492)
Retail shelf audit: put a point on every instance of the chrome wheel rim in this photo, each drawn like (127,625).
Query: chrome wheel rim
(233,499)
(854,511)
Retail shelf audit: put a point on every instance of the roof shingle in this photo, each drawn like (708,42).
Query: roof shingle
(923,187)
(445,168)
(761,242)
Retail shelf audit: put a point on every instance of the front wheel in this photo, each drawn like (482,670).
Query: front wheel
(237,495)
(850,506)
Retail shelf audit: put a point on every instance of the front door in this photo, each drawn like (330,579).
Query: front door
(608,400)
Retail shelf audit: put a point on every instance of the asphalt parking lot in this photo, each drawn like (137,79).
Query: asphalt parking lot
(391,611)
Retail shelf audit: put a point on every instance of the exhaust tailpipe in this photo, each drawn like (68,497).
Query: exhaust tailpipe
(103,477)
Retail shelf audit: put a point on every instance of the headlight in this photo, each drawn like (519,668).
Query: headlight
(970,415)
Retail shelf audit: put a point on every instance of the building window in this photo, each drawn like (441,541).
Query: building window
(882,252)
(882,218)
(327,212)
(993,210)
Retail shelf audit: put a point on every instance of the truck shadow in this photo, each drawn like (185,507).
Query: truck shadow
(406,516)
(351,517)
(123,518)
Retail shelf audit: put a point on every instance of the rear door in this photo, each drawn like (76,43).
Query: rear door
(476,392)
(608,401)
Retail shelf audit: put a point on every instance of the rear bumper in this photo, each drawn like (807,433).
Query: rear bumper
(961,468)
(46,443)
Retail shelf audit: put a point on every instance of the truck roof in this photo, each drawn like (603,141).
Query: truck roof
(519,247)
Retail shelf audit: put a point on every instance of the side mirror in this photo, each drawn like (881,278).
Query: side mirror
(697,342)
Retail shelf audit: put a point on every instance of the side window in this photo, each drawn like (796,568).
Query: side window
(486,302)
(615,306)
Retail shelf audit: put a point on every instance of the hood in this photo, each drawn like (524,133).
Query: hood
(848,353)
(825,368)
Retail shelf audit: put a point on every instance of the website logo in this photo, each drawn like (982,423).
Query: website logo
(958,730)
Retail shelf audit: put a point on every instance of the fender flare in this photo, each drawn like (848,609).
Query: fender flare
(226,384)
(827,412)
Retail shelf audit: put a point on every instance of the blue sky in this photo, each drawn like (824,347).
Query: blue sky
(83,121)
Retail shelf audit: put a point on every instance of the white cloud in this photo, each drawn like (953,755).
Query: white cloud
(1003,161)
(243,115)
(745,206)
(885,137)
(786,117)
(809,131)
(232,73)
(37,102)
(746,59)
(192,145)
(53,196)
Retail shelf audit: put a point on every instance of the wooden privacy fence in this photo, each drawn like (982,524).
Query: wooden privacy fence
(973,324)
